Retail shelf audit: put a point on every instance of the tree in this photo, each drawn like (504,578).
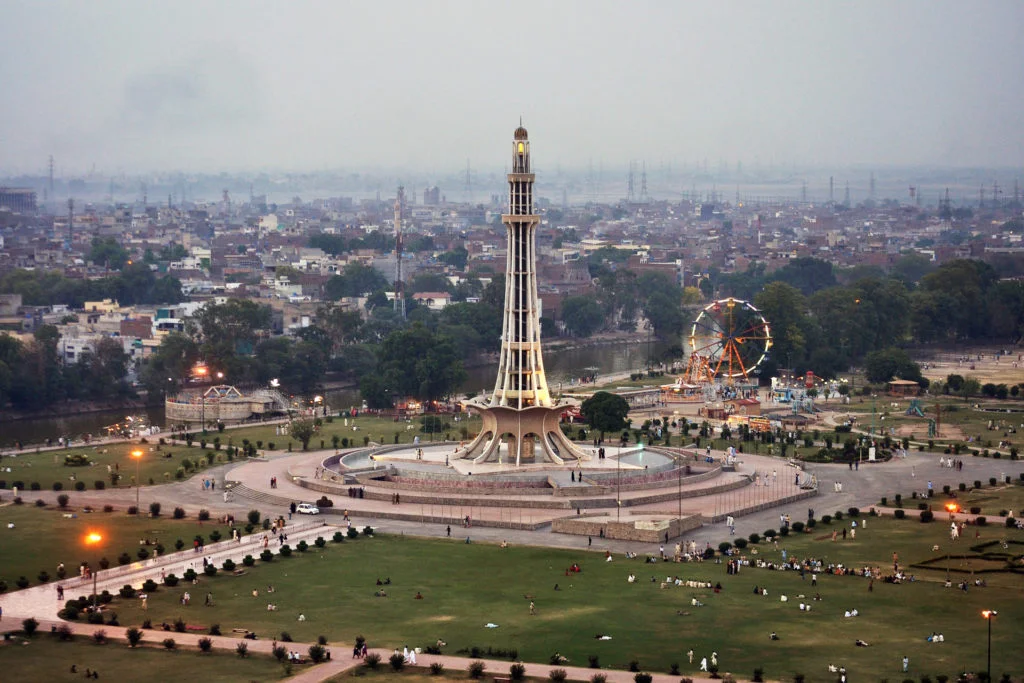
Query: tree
(884,365)
(582,315)
(107,252)
(969,387)
(456,258)
(420,363)
(302,430)
(605,412)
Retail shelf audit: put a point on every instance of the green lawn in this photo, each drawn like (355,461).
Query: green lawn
(45,658)
(159,464)
(467,586)
(377,429)
(42,538)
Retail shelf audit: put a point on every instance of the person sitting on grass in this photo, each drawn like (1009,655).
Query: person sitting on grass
(861,643)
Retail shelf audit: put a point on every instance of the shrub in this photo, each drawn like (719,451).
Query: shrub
(29,626)
(132,510)
(436,669)
(99,636)
(248,560)
(517,672)
(634,665)
(977,483)
(215,630)
(210,570)
(338,537)
(134,636)
(962,486)
(205,644)
(285,550)
(769,534)
(179,513)
(853,512)
(724,546)
(94,618)
(40,503)
(169,643)
(127,592)
(318,653)
(320,542)
(228,565)
(170,580)
(758,675)
(900,514)
(476,669)
(397,661)
(838,516)
(204,515)
(215,536)
(43,576)
(62,500)
(741,543)
(367,530)
(784,531)
(22,582)
(267,555)
(673,669)
(57,486)
(754,537)
(352,533)
(253,517)
(302,546)
(980,521)
(372,660)
(643,678)
(927,516)
(179,625)
(826,519)
(149,586)
(242,649)
(975,510)
(798,527)
(80,485)
(558,675)
(154,509)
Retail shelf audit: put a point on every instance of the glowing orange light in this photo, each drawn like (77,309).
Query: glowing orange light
(989,613)
(952,507)
(136,454)
(93,538)
(202,370)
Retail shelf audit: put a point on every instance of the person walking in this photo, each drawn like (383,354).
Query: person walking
(533,609)
(906,663)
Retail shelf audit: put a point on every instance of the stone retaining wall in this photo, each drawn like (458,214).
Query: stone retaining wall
(625,530)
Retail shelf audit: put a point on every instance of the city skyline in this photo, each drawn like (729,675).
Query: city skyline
(242,86)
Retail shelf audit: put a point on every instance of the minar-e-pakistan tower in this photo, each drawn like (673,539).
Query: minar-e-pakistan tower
(520,412)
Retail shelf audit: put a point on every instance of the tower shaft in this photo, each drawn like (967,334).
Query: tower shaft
(521,382)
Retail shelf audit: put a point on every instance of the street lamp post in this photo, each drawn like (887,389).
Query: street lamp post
(202,372)
(988,614)
(93,539)
(137,454)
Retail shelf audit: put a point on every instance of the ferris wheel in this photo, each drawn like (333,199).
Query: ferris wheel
(732,336)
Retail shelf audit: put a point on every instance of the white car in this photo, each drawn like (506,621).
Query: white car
(307,509)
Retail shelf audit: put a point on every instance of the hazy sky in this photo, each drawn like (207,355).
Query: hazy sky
(240,85)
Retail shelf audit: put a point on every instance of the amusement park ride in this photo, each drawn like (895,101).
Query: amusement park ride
(729,340)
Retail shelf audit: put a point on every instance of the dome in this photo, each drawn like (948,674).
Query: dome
(520,133)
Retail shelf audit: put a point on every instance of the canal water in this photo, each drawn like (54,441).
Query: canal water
(563,366)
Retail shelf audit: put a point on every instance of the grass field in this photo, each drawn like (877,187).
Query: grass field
(42,538)
(467,586)
(159,465)
(44,658)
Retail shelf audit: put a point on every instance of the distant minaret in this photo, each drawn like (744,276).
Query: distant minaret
(399,285)
(831,189)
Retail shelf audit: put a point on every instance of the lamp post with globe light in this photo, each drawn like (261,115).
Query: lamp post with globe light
(137,456)
(93,539)
(201,371)
(988,614)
